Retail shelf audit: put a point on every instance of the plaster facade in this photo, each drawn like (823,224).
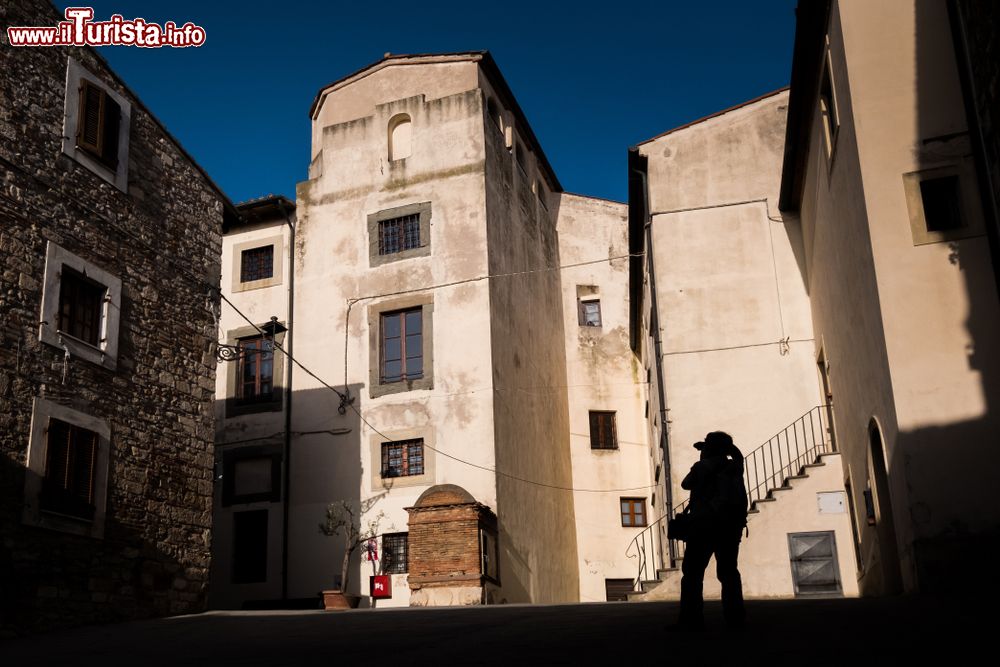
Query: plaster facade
(913,367)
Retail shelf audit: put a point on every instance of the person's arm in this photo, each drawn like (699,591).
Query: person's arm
(693,477)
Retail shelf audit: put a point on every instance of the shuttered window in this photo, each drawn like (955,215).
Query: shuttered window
(602,430)
(256,370)
(81,302)
(70,463)
(98,123)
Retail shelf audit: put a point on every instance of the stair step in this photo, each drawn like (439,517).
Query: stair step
(634,594)
(661,573)
(647,585)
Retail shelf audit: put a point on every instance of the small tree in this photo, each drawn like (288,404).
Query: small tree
(344,517)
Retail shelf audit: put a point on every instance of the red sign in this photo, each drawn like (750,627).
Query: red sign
(381,586)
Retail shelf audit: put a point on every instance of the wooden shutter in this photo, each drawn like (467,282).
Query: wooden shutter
(98,123)
(90,123)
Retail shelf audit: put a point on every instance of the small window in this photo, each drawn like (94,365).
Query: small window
(493,111)
(256,370)
(97,127)
(617,590)
(250,547)
(602,430)
(403,459)
(257,264)
(96,122)
(489,554)
(66,487)
(81,306)
(521,158)
(590,313)
(828,106)
(942,203)
(398,234)
(70,466)
(400,137)
(395,554)
(633,512)
(402,345)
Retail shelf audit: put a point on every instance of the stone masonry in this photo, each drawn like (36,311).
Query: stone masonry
(162,239)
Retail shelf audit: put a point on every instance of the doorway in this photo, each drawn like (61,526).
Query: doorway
(885,526)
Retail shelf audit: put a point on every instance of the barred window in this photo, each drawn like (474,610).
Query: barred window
(81,306)
(602,430)
(257,264)
(403,458)
(398,234)
(633,512)
(70,464)
(395,553)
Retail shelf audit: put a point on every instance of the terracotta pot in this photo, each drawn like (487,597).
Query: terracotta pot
(337,600)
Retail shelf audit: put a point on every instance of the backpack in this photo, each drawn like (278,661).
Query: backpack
(729,500)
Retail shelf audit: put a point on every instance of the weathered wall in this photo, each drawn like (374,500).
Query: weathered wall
(455,415)
(538,546)
(729,288)
(235,432)
(602,374)
(930,384)
(162,239)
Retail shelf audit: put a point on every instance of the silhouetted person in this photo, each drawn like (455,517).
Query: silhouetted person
(719,514)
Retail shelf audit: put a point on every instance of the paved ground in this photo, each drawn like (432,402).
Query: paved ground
(816,632)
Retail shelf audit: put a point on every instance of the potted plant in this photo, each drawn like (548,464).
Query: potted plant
(344,518)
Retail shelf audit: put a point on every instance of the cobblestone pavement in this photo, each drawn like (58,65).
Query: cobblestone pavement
(812,632)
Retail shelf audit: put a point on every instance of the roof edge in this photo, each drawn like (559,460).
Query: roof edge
(703,119)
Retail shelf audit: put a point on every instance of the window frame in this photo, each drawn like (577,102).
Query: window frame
(105,353)
(236,406)
(379,484)
(234,456)
(582,304)
(595,436)
(259,354)
(404,539)
(633,502)
(827,105)
(404,358)
(277,241)
(405,455)
(116,172)
(422,210)
(43,413)
(968,200)
(375,342)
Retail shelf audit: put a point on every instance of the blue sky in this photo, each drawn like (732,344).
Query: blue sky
(593,78)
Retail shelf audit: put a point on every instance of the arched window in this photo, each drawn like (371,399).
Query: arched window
(400,137)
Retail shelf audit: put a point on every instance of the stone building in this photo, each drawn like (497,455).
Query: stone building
(110,237)
(426,253)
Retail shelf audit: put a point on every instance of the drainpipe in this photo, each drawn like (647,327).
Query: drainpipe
(654,326)
(287,447)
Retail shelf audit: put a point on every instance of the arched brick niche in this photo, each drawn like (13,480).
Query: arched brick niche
(452,549)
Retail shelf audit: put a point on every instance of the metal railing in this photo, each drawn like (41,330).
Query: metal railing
(766,468)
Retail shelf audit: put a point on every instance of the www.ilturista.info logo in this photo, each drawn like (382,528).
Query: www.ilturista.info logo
(79,29)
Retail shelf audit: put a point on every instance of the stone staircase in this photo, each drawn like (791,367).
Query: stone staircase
(773,471)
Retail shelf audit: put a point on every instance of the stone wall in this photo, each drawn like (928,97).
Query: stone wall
(162,239)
